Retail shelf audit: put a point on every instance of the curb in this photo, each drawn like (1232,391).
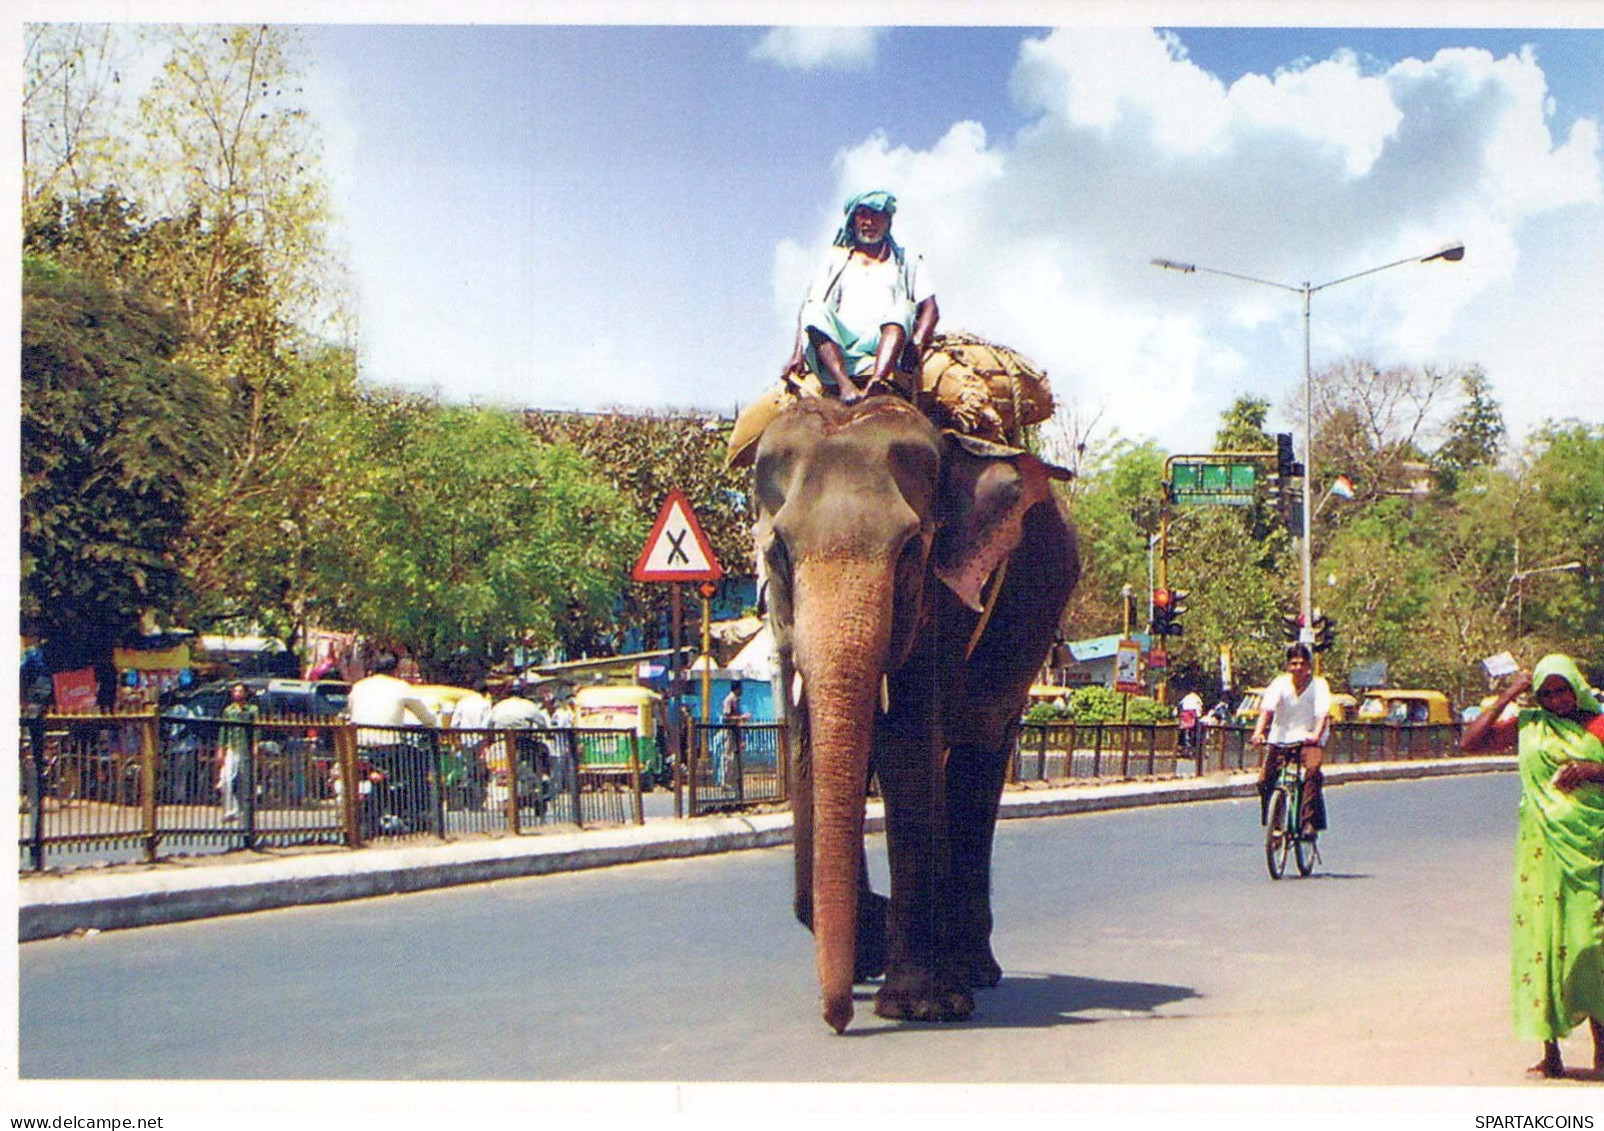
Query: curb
(53,905)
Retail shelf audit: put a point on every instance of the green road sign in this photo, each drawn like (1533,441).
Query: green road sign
(1220,483)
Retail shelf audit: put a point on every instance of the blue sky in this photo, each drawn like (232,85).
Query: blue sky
(589,216)
(584,216)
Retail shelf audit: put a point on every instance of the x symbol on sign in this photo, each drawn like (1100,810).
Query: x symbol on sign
(678,543)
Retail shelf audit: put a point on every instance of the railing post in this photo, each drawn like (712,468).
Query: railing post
(782,756)
(149,739)
(572,752)
(692,733)
(509,750)
(350,787)
(247,772)
(634,778)
(36,741)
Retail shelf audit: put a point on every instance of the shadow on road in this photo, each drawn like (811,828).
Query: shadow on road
(1039,1001)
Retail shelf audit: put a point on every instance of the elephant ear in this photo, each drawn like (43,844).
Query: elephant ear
(986,490)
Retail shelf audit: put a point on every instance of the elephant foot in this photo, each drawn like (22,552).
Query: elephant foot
(869,955)
(981,971)
(920,997)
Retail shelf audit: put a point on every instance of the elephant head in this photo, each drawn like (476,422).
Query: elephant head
(875,536)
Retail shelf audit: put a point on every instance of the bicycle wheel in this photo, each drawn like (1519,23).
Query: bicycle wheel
(1303,848)
(1276,841)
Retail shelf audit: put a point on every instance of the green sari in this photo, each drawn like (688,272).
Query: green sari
(1558,952)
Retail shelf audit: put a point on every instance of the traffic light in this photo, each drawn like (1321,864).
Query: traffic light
(1285,462)
(1159,626)
(1325,632)
(1291,623)
(1168,605)
(1177,609)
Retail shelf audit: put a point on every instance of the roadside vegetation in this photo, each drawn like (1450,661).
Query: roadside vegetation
(196,440)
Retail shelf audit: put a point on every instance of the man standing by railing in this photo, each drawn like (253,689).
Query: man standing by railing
(379,705)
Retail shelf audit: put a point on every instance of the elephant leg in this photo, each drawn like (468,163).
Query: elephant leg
(974,788)
(869,960)
(983,728)
(919,986)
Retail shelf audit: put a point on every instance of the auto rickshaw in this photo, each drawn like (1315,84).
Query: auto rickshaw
(1406,706)
(613,708)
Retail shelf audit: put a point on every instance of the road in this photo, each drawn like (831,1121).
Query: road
(1142,946)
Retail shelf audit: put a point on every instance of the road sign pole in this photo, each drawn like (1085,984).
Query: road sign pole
(707,652)
(676,744)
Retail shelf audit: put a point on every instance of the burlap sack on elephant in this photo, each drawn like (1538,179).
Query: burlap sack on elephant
(967,384)
(984,389)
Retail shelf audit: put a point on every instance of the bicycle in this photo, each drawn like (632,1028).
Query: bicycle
(1283,830)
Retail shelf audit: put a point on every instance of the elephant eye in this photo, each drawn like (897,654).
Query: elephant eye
(910,558)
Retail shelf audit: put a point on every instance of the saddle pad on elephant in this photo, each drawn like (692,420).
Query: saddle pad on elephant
(967,384)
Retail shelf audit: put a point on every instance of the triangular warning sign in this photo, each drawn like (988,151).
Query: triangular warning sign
(676,549)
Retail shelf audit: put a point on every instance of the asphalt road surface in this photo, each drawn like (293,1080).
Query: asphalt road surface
(1140,947)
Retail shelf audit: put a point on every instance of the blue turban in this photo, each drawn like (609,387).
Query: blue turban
(879,200)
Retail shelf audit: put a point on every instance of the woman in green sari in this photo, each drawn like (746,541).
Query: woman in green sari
(1558,953)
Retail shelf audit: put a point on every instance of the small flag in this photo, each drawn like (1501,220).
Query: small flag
(1342,487)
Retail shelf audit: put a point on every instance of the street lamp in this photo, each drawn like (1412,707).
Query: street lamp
(1517,582)
(1451,253)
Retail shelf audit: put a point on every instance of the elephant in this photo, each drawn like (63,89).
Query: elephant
(876,535)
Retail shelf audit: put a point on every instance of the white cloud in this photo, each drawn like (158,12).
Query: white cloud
(819,48)
(1319,171)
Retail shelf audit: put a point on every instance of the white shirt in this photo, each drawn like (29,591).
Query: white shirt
(515,711)
(385,701)
(1295,718)
(473,713)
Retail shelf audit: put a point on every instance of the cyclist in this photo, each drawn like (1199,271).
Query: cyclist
(1294,714)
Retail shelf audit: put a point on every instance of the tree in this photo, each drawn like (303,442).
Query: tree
(114,441)
(70,143)
(1475,434)
(645,455)
(464,536)
(1116,513)
(1375,424)
(1242,426)
(206,195)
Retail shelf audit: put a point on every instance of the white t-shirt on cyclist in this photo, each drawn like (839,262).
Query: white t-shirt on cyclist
(1295,718)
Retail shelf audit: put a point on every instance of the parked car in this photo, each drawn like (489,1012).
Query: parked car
(295,763)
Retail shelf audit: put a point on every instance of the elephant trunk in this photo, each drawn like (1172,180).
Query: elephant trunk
(843,627)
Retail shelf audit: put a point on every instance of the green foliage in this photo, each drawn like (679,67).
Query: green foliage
(115,436)
(646,456)
(1116,510)
(1242,426)
(464,536)
(1093,704)
(1475,434)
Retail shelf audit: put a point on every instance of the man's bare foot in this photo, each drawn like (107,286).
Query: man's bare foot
(1550,1067)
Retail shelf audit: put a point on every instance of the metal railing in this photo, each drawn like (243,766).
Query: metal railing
(735,765)
(1055,752)
(134,787)
(126,788)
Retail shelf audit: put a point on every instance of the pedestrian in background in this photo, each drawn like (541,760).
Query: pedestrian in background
(1189,717)
(1557,954)
(233,742)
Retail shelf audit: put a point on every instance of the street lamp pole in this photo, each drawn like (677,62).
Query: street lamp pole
(1450,253)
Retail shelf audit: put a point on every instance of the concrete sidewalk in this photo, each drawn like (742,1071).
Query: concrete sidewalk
(196,888)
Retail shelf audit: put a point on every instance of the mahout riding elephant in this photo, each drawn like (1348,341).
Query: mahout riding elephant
(914,581)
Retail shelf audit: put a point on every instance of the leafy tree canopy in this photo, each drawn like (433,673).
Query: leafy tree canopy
(115,436)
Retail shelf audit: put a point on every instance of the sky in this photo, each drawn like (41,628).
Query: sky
(583,217)
(555,215)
